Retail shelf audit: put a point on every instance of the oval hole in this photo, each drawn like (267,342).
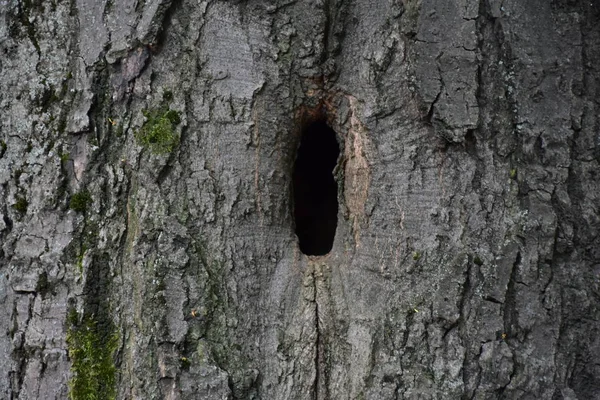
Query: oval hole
(315,189)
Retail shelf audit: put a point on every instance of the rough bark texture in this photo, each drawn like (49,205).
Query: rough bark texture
(466,263)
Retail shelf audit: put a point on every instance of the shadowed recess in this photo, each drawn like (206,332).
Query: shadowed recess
(315,189)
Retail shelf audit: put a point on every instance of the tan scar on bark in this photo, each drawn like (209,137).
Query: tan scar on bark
(357,173)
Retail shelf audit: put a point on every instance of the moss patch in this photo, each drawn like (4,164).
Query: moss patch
(158,132)
(21,205)
(167,95)
(80,259)
(91,352)
(80,201)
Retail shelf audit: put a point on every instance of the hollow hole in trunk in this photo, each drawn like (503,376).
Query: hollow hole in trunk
(315,189)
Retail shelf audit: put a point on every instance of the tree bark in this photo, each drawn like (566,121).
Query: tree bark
(147,233)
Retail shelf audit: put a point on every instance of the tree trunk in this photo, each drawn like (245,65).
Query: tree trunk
(151,201)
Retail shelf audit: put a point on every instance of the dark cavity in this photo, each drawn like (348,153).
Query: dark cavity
(315,189)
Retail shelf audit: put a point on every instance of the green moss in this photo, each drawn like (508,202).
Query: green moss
(513,173)
(167,95)
(158,132)
(80,258)
(477,260)
(173,116)
(21,204)
(416,255)
(91,352)
(93,140)
(80,201)
(64,157)
(72,317)
(185,363)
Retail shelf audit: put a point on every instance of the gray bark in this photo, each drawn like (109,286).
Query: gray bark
(466,261)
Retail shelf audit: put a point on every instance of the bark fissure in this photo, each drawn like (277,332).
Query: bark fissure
(318,344)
